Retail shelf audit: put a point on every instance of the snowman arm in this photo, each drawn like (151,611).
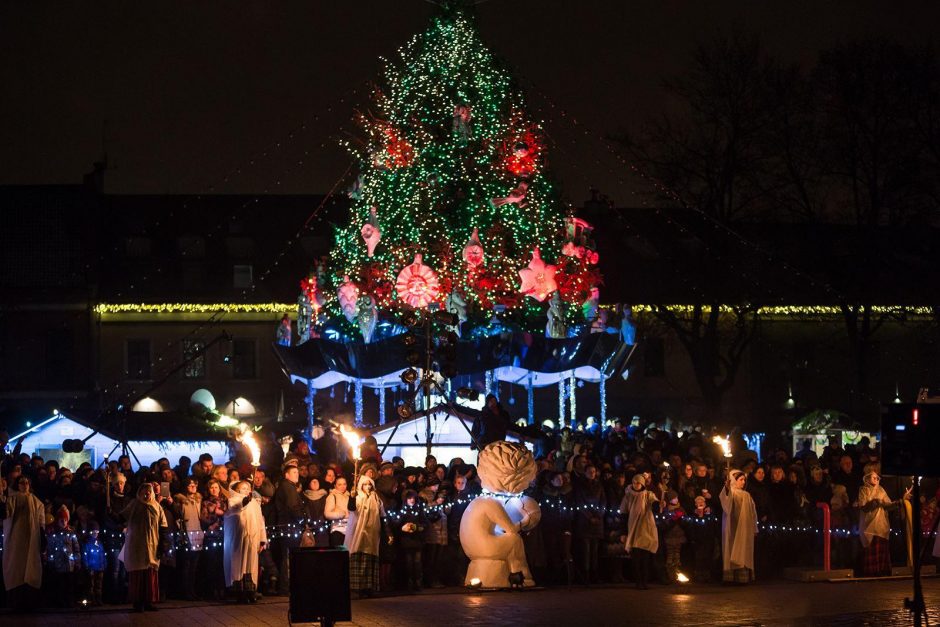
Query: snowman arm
(499,516)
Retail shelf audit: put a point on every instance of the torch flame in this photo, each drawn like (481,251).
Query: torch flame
(681,578)
(243,434)
(724,443)
(352,439)
(247,437)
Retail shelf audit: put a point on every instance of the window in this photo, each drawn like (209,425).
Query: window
(241,276)
(138,359)
(195,366)
(654,357)
(244,359)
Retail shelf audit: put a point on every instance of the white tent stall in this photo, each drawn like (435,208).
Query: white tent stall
(449,439)
(45,439)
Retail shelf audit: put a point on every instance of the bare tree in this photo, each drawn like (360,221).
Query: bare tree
(716,342)
(875,116)
(867,93)
(709,154)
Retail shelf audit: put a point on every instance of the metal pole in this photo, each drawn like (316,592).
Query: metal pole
(916,605)
(427,377)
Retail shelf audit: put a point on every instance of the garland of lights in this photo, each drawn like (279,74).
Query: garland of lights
(213,538)
(280,308)
(572,398)
(561,403)
(357,398)
(381,405)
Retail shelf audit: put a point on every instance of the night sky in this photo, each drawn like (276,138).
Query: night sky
(191,91)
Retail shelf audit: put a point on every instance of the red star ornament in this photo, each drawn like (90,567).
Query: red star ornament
(538,279)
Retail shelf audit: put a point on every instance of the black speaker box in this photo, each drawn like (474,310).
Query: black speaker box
(910,439)
(319,585)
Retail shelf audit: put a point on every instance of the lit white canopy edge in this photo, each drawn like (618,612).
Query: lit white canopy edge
(509,374)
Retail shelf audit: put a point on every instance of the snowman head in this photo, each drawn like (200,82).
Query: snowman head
(506,467)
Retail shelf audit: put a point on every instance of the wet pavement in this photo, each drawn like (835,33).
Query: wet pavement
(873,603)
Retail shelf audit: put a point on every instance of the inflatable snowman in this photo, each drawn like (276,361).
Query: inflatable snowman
(491,526)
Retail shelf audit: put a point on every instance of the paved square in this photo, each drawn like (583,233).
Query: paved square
(876,604)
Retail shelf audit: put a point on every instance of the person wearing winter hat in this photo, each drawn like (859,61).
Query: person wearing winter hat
(738,528)
(642,538)
(369,470)
(673,534)
(65,556)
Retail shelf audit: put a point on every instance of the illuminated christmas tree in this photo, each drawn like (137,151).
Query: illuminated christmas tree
(453,204)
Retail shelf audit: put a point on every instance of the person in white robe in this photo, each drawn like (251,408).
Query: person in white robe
(874,528)
(642,538)
(363,533)
(22,538)
(146,523)
(738,528)
(244,538)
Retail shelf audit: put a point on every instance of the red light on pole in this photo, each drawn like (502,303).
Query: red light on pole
(915,417)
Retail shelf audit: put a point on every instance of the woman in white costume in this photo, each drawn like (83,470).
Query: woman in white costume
(642,538)
(738,528)
(244,538)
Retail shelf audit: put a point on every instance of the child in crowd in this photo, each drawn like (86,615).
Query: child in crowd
(702,533)
(94,562)
(64,556)
(674,534)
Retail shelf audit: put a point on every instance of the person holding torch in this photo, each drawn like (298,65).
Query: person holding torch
(738,528)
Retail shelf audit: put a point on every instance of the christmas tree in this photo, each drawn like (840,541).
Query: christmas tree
(453,204)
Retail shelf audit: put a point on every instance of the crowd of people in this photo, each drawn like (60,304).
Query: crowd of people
(651,504)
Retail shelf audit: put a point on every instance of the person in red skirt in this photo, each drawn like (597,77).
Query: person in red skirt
(873,526)
(146,523)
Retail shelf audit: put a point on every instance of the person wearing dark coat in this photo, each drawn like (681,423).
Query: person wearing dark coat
(757,488)
(557,523)
(386,486)
(326,448)
(314,501)
(289,513)
(493,422)
(410,527)
(848,476)
(591,501)
(784,510)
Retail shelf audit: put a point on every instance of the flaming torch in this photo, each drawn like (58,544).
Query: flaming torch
(244,434)
(352,439)
(725,445)
(247,437)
